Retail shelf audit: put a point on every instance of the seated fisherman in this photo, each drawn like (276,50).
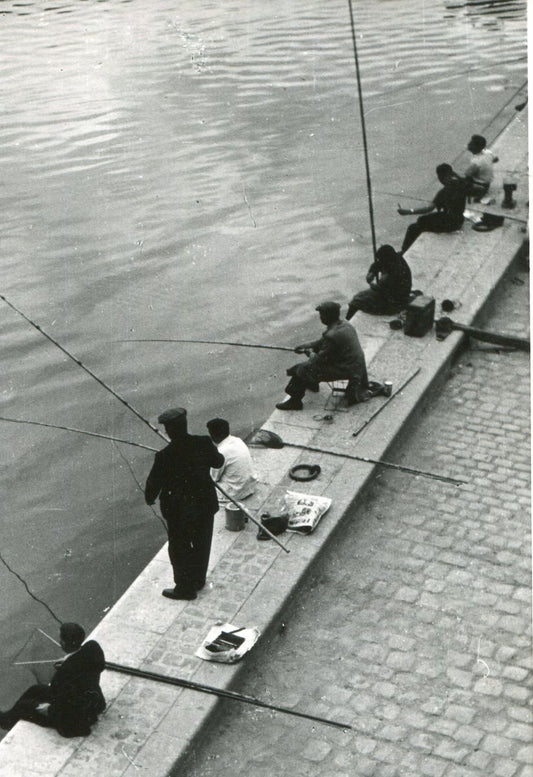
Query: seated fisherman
(389,278)
(236,475)
(449,203)
(73,700)
(480,171)
(337,355)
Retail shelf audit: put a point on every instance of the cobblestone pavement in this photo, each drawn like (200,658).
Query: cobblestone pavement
(415,627)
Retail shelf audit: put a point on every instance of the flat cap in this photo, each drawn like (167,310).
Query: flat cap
(329,307)
(172,415)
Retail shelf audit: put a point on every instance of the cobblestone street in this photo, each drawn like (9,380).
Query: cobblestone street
(416,625)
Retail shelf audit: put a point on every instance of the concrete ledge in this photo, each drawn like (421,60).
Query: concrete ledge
(148,728)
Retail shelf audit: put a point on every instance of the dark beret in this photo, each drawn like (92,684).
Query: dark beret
(172,415)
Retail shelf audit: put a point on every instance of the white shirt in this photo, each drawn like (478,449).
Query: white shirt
(481,166)
(236,475)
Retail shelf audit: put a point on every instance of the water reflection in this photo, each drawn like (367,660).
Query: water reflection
(502,9)
(195,169)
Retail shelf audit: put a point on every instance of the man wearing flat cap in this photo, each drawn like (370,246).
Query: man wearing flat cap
(180,476)
(337,355)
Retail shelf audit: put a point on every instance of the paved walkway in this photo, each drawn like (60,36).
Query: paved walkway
(416,623)
(149,728)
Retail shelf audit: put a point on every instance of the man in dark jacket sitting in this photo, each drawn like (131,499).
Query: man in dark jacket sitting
(389,278)
(73,700)
(337,355)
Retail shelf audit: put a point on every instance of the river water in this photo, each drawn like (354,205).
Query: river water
(194,169)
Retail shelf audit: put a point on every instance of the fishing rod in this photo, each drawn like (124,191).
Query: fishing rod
(84,367)
(389,464)
(384,405)
(78,431)
(207,342)
(469,207)
(445,326)
(363,130)
(221,692)
(148,448)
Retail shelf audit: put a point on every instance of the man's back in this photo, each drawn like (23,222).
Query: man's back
(76,696)
(342,347)
(182,469)
(236,476)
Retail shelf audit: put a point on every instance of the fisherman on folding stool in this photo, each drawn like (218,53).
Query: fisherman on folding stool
(337,355)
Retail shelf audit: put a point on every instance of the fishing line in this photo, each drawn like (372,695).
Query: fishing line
(451,77)
(498,113)
(363,129)
(33,596)
(141,489)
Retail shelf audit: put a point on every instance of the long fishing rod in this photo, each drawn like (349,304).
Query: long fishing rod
(207,342)
(363,129)
(221,692)
(78,431)
(84,367)
(135,412)
(381,462)
(384,405)
(426,200)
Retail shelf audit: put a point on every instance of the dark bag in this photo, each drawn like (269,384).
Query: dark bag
(276,524)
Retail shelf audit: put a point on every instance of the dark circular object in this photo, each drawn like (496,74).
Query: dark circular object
(304,472)
(396,323)
(447,305)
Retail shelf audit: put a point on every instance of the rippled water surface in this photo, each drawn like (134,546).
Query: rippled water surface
(194,169)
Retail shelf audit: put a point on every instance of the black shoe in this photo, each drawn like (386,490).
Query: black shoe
(290,404)
(179,593)
(6,721)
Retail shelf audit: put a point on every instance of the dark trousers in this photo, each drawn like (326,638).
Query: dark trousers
(431,222)
(190,532)
(26,707)
(372,301)
(69,721)
(356,391)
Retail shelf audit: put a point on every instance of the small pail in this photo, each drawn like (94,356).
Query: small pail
(234,518)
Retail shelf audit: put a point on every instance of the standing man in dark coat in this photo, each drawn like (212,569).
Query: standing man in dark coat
(73,700)
(337,355)
(180,476)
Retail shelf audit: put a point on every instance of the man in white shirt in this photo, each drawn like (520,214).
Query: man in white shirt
(480,172)
(236,475)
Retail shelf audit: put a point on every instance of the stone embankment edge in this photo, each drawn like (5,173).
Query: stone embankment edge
(28,750)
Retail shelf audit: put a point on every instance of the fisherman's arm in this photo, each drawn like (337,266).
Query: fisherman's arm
(417,211)
(315,346)
(216,459)
(153,484)
(372,274)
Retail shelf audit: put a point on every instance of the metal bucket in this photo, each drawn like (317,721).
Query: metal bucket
(234,518)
